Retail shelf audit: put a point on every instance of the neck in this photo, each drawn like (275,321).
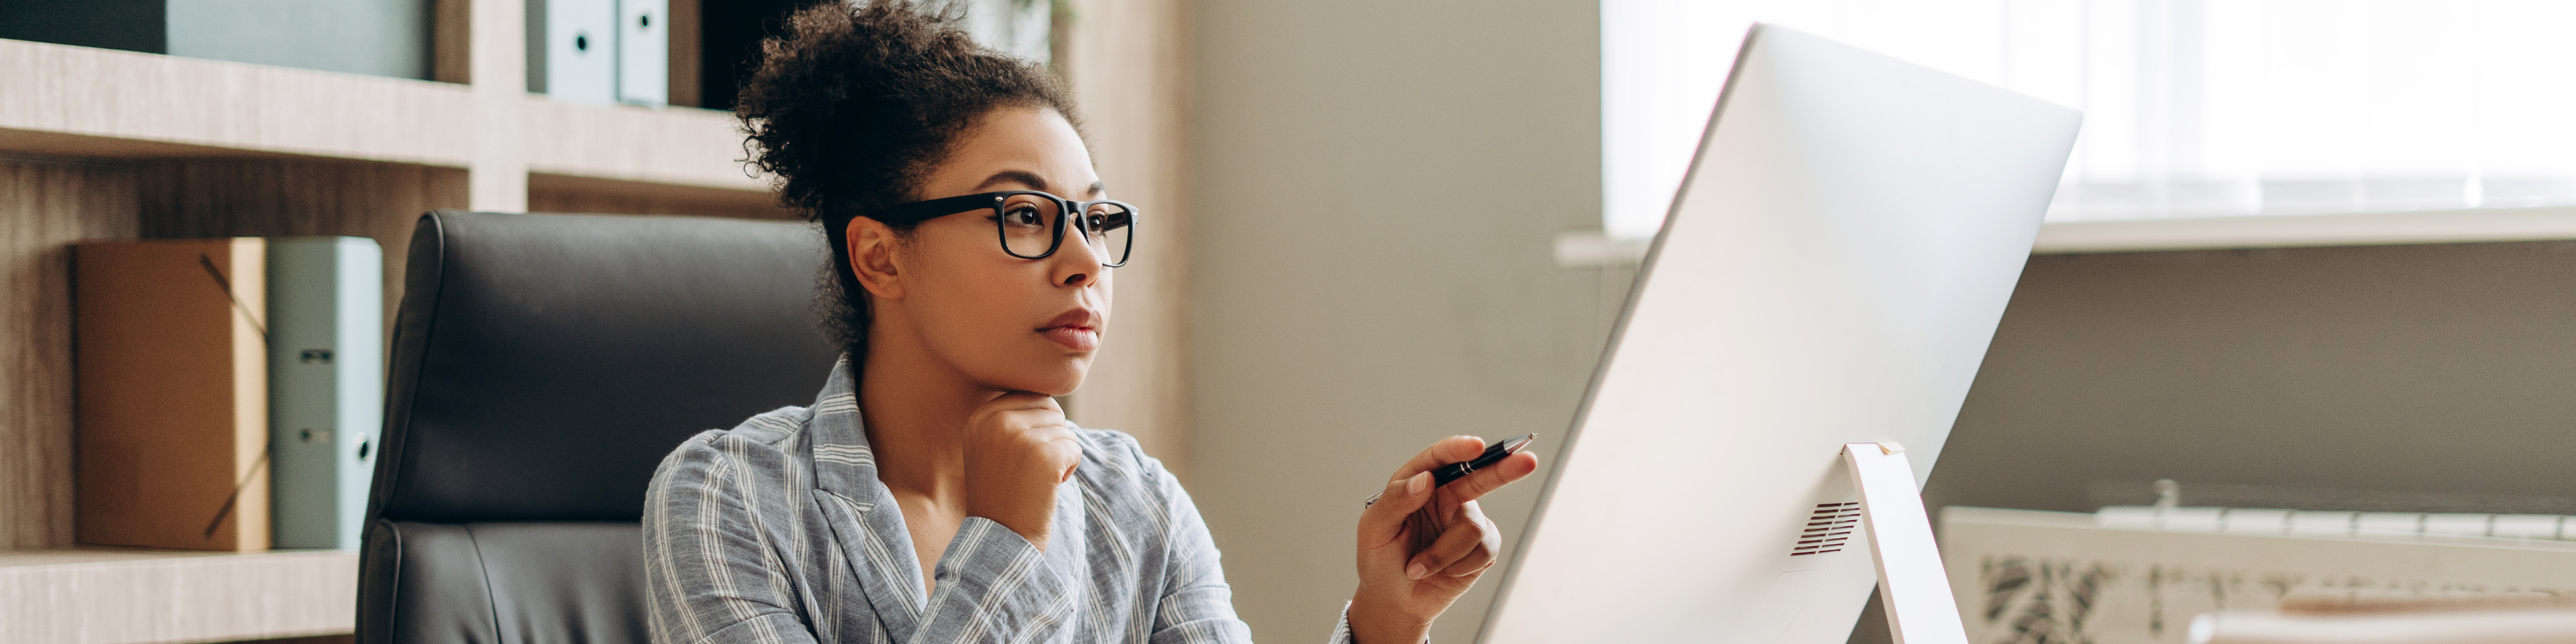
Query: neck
(915,407)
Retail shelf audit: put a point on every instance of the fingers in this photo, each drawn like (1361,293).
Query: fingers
(1462,540)
(1024,402)
(1477,485)
(1055,437)
(1383,521)
(1443,452)
(1037,416)
(1062,447)
(1019,449)
(1411,490)
(1024,431)
(1485,553)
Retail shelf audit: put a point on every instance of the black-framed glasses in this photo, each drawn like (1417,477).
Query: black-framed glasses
(1032,223)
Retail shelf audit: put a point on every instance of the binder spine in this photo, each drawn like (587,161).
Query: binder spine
(572,50)
(326,311)
(643,52)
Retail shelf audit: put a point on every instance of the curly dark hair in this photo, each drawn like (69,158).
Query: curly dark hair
(856,103)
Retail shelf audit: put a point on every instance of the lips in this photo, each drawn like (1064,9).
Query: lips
(1078,329)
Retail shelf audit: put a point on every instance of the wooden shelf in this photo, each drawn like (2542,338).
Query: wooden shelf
(105,103)
(109,104)
(135,596)
(2283,231)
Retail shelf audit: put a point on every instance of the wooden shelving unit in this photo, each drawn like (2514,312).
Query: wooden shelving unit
(98,143)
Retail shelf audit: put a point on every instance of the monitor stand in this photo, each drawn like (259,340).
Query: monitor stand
(1912,586)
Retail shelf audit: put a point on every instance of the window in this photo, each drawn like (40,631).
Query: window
(2193,108)
(1017,27)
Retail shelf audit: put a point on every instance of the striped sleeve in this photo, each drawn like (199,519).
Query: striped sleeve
(1196,606)
(710,577)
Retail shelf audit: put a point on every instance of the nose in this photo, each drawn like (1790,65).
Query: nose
(1078,263)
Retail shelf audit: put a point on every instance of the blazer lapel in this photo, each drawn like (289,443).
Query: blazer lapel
(866,524)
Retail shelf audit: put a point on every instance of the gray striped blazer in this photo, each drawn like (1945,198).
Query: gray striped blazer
(778,531)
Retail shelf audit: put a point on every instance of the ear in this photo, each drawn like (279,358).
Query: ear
(872,246)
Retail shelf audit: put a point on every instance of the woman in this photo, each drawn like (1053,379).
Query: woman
(972,255)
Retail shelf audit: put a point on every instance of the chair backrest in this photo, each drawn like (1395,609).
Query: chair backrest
(542,367)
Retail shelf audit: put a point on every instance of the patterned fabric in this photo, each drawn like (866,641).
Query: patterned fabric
(778,532)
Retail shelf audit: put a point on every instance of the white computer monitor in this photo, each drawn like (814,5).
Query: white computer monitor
(1831,273)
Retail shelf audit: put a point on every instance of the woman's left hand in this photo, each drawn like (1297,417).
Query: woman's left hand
(1421,547)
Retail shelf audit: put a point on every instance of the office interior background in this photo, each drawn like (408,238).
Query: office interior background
(2309,256)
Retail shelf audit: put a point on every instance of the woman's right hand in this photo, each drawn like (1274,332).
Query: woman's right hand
(1018,449)
(1422,545)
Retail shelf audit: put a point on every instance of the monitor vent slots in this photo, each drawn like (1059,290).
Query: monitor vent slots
(1827,529)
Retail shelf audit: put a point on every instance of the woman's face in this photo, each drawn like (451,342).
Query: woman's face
(1003,322)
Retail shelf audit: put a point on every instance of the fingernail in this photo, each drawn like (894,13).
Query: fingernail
(1419,483)
(1417,571)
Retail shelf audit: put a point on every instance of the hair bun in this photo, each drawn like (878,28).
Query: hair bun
(854,104)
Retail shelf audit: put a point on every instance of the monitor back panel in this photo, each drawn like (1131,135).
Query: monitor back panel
(1832,272)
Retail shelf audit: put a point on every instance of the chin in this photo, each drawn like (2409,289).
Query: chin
(1056,381)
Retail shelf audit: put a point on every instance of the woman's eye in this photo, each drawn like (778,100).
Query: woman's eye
(1022,216)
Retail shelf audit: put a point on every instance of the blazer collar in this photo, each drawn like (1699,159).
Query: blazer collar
(843,462)
(878,547)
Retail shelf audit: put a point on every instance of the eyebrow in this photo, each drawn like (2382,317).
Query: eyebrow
(1032,181)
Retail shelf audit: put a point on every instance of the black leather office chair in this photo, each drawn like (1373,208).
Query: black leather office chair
(542,366)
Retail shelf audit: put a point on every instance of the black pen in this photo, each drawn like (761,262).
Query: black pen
(1494,453)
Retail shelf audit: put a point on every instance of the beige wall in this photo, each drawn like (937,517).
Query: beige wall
(2432,377)
(1375,188)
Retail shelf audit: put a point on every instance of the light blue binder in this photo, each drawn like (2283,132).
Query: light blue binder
(572,50)
(643,52)
(325,386)
(600,51)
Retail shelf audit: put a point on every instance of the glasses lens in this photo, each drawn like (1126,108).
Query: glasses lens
(1028,225)
(1113,231)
